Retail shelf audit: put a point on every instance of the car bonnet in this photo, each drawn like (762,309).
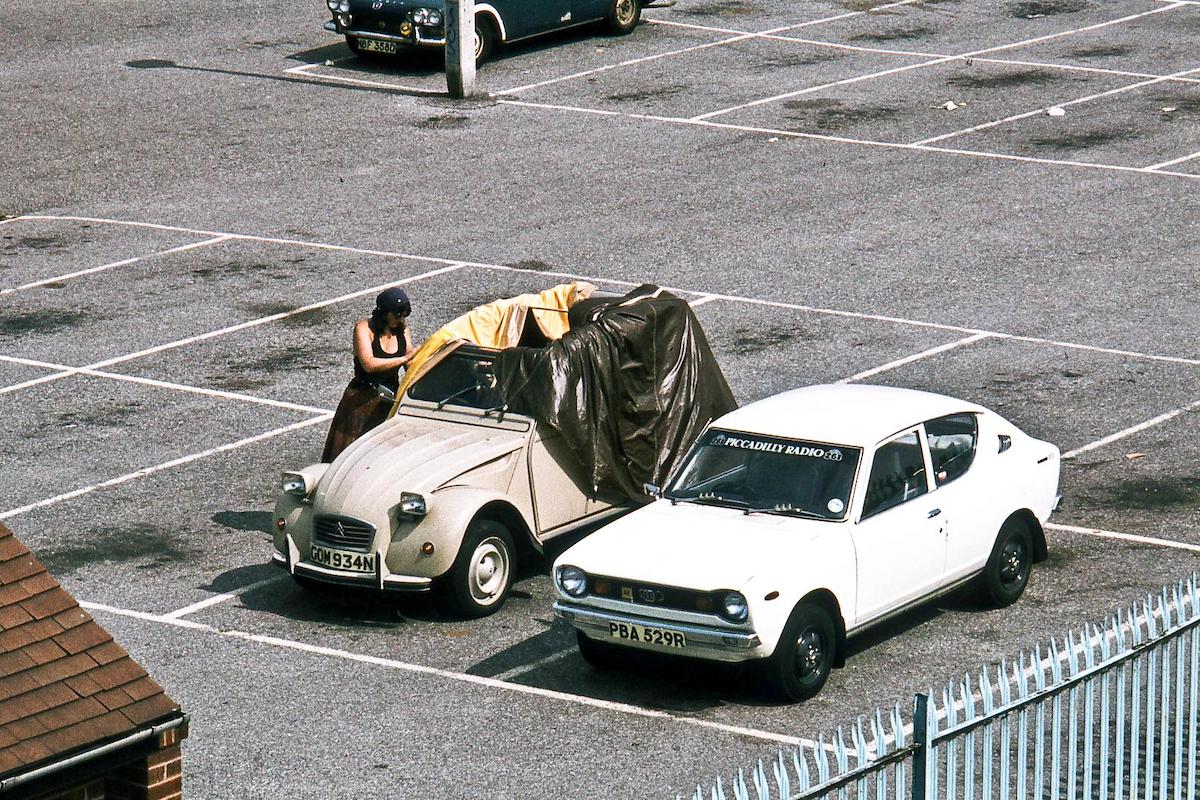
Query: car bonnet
(696,547)
(408,454)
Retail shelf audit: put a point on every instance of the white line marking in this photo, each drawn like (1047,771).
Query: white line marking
(1042,110)
(230,329)
(932,62)
(361,81)
(738,37)
(93,270)
(141,473)
(916,357)
(1125,537)
(847,140)
(1141,426)
(221,598)
(701,301)
(1172,162)
(524,669)
(64,370)
(461,677)
(7,220)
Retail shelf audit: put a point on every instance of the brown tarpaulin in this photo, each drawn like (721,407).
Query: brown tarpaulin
(629,391)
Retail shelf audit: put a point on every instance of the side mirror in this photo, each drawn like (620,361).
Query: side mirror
(652,490)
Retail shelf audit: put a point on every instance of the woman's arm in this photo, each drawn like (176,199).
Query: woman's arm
(368,359)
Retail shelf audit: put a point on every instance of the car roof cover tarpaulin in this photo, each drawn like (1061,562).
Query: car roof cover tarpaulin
(629,390)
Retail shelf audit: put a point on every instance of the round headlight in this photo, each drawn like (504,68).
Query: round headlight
(333,4)
(420,16)
(435,17)
(573,581)
(343,5)
(733,607)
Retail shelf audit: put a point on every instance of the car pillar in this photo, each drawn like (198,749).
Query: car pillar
(460,47)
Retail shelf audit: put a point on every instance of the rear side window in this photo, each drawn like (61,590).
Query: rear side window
(897,474)
(952,443)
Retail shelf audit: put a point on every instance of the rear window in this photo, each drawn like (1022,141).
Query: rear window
(952,442)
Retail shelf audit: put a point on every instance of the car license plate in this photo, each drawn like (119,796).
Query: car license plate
(336,559)
(376,46)
(632,632)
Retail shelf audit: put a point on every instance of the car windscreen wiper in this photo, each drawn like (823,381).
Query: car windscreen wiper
(783,508)
(710,498)
(470,388)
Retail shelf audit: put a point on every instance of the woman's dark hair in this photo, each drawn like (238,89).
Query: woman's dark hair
(378,322)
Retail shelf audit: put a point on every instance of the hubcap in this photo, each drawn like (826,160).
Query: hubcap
(478,42)
(1012,562)
(489,571)
(625,11)
(809,655)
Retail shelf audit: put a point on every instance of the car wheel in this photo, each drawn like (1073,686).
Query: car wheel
(486,38)
(1007,571)
(805,654)
(482,573)
(599,655)
(623,16)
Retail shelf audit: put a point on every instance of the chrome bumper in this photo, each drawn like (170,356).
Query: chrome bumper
(417,38)
(703,642)
(365,580)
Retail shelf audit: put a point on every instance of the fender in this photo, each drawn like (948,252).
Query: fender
(451,510)
(490,10)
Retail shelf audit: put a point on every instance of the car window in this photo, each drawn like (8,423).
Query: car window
(952,441)
(897,474)
(465,378)
(767,474)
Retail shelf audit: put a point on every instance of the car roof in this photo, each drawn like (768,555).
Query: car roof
(848,414)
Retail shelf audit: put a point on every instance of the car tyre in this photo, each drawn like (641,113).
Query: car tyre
(598,655)
(805,654)
(482,575)
(623,16)
(486,39)
(1007,571)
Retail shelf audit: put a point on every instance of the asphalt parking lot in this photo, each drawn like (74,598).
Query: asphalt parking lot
(199,200)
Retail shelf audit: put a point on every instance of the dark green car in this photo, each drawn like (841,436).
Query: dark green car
(390,27)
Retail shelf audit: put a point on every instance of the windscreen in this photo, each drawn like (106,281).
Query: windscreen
(769,474)
(464,378)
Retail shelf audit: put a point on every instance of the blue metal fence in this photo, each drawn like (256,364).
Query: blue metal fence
(1107,713)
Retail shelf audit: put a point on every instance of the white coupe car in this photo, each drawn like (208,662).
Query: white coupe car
(808,517)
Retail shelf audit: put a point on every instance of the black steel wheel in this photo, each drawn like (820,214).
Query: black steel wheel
(1008,568)
(623,16)
(805,654)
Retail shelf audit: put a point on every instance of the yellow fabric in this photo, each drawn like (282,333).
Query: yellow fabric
(499,324)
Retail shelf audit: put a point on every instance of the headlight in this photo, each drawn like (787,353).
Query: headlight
(734,608)
(333,4)
(435,17)
(419,16)
(573,581)
(412,505)
(342,5)
(293,483)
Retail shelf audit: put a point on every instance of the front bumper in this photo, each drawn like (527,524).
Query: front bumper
(716,644)
(419,37)
(380,580)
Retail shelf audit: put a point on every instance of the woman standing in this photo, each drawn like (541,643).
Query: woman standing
(382,345)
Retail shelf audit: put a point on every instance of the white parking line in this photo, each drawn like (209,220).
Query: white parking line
(1064,104)
(125,262)
(304,70)
(221,598)
(1172,162)
(708,298)
(1124,537)
(460,677)
(65,370)
(1141,426)
(525,669)
(230,329)
(932,62)
(175,462)
(900,362)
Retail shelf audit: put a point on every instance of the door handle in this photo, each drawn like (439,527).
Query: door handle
(934,513)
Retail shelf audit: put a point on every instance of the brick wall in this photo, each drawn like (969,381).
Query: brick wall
(159,776)
(89,791)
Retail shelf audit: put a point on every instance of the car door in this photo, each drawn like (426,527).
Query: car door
(584,10)
(529,17)
(555,476)
(953,441)
(898,538)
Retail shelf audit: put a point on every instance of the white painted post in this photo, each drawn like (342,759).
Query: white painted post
(460,47)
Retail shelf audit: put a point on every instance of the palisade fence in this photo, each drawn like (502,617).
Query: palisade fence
(1109,713)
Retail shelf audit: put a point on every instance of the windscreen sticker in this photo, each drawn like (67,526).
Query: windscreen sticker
(830,454)
(835,506)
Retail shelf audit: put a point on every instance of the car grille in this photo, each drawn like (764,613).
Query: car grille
(343,533)
(649,594)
